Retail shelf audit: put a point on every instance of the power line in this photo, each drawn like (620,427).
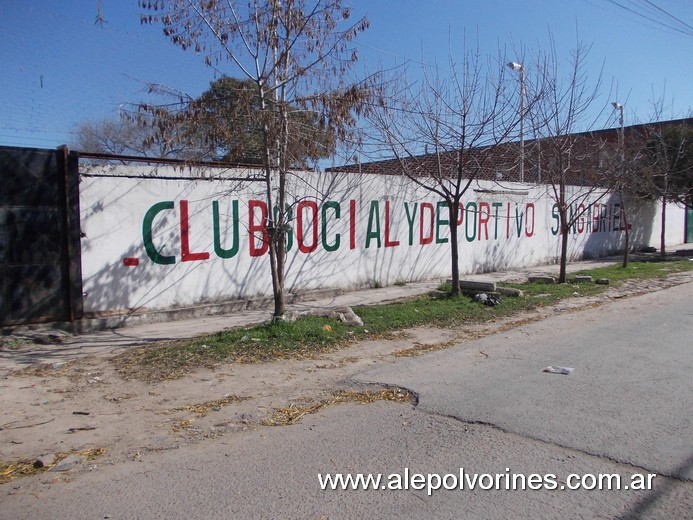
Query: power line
(655,17)
(669,15)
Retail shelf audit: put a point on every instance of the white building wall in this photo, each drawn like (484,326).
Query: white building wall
(370,229)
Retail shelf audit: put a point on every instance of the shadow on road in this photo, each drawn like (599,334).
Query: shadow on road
(642,506)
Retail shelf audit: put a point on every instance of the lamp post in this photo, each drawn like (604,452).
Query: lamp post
(619,107)
(517,67)
(621,143)
(620,184)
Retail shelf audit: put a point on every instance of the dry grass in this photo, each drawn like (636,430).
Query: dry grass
(181,425)
(23,468)
(45,370)
(200,410)
(424,348)
(152,363)
(293,414)
(203,409)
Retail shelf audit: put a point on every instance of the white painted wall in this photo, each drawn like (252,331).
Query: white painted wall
(114,209)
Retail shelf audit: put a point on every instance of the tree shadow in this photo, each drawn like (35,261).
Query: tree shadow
(607,235)
(641,508)
(349,231)
(129,268)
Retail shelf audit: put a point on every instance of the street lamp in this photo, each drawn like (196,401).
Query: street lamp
(621,181)
(517,67)
(619,107)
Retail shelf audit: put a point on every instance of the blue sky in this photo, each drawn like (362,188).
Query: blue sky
(60,68)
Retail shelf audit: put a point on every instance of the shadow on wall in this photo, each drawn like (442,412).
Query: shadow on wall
(117,288)
(495,258)
(346,224)
(610,240)
(132,282)
(378,252)
(514,239)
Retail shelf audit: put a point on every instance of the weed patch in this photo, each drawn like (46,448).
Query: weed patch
(293,414)
(23,468)
(310,336)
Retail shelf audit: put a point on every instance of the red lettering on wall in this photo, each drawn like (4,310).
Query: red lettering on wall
(529,232)
(484,217)
(313,223)
(257,231)
(595,217)
(423,239)
(611,216)
(388,242)
(581,218)
(186,255)
(352,224)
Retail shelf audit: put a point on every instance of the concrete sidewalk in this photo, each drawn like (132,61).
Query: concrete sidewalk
(46,345)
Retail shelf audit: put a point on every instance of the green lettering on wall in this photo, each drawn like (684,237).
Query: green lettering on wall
(373,224)
(496,207)
(617,217)
(147,224)
(573,211)
(441,221)
(519,217)
(556,216)
(218,248)
(410,220)
(470,238)
(331,204)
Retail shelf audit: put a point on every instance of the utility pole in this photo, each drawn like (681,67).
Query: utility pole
(518,67)
(621,181)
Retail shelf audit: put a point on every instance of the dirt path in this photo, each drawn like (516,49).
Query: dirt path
(87,404)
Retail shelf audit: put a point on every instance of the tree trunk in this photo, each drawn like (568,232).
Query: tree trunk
(626,247)
(280,239)
(277,285)
(454,251)
(274,224)
(276,265)
(662,234)
(562,275)
(565,228)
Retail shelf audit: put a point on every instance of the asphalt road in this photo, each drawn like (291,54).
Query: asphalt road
(629,399)
(485,406)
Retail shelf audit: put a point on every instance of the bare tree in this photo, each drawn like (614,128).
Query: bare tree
(449,131)
(297,55)
(576,164)
(651,161)
(123,136)
(631,177)
(668,167)
(223,124)
(159,137)
(625,182)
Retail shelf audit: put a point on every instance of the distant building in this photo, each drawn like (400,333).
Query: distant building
(588,157)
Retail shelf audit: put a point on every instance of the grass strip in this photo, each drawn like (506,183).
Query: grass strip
(310,336)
